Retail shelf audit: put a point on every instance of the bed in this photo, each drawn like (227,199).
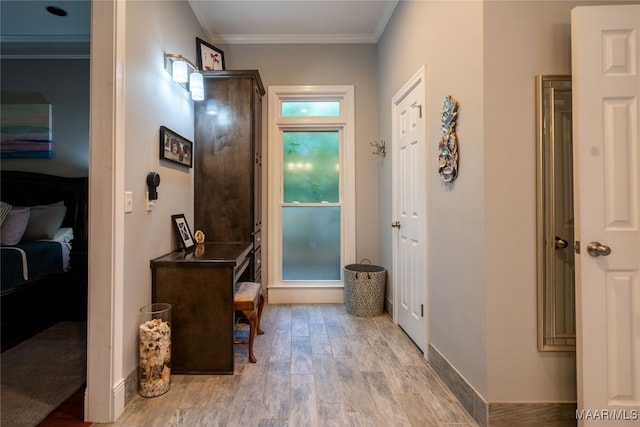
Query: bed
(44,252)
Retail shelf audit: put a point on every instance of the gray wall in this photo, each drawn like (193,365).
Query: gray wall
(447,38)
(482,244)
(151,100)
(64,83)
(532,38)
(328,65)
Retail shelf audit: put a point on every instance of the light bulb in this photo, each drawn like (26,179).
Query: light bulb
(196,86)
(179,71)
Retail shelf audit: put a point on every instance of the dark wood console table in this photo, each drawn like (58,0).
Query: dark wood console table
(199,285)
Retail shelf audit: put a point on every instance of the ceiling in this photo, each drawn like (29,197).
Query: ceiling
(28,30)
(293,21)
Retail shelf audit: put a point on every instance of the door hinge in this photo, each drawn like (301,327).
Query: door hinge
(421,310)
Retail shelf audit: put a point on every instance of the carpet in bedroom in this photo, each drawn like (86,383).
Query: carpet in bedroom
(41,373)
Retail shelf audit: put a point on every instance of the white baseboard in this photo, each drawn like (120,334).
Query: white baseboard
(119,398)
(305,295)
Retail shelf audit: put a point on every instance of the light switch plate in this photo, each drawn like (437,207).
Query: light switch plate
(128,202)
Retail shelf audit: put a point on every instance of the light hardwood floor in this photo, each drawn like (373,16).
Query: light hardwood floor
(317,366)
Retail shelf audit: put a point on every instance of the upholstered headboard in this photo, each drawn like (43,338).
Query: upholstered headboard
(31,189)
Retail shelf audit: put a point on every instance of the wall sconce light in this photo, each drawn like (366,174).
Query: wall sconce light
(186,74)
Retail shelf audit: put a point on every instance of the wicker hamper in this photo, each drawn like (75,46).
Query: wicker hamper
(364,288)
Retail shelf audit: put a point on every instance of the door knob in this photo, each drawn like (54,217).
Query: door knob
(395,224)
(598,249)
(561,243)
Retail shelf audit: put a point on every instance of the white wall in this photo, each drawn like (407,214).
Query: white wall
(522,39)
(533,38)
(152,99)
(447,37)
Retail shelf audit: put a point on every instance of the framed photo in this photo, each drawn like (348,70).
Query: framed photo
(175,148)
(210,58)
(183,231)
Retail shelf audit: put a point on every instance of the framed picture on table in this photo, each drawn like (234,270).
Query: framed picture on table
(210,58)
(183,231)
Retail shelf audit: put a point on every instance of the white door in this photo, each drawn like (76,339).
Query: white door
(409,210)
(606,100)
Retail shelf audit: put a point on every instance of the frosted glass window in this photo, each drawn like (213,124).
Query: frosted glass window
(311,186)
(311,167)
(311,243)
(310,109)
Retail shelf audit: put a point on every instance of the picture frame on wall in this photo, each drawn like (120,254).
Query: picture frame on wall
(210,58)
(183,231)
(27,131)
(175,148)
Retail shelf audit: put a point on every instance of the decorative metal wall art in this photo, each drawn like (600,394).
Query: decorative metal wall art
(448,147)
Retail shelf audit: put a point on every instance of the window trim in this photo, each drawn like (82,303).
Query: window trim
(293,292)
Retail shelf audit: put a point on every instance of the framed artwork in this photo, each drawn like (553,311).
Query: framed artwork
(183,231)
(27,131)
(210,58)
(175,148)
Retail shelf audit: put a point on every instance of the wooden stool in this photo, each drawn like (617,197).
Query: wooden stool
(249,300)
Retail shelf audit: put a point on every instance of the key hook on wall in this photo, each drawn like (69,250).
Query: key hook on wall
(381,148)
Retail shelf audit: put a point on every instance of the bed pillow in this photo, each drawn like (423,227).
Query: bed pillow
(4,211)
(45,221)
(14,226)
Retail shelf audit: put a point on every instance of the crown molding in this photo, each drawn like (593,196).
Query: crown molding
(45,47)
(293,39)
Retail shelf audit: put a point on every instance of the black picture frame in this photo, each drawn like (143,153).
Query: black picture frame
(183,231)
(175,148)
(209,57)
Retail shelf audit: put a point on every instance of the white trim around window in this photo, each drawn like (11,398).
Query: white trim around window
(309,292)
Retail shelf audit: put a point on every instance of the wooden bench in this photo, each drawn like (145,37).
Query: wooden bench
(249,300)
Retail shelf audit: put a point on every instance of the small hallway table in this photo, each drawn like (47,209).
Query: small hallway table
(199,285)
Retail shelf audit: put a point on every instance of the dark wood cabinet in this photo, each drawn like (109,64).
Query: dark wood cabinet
(199,285)
(228,160)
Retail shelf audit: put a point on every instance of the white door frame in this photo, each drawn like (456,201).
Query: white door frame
(281,292)
(105,392)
